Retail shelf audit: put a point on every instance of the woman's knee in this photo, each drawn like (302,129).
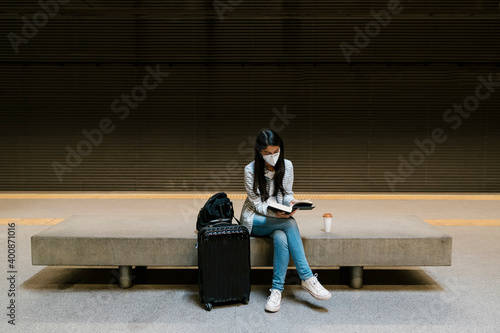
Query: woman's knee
(279,238)
(291,222)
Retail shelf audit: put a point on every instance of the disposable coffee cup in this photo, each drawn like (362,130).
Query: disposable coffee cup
(327,219)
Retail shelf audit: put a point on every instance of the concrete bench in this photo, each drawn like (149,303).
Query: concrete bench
(170,241)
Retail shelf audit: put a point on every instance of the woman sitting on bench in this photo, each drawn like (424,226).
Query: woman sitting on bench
(270,177)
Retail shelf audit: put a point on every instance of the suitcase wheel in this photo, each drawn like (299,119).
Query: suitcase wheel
(245,300)
(208,306)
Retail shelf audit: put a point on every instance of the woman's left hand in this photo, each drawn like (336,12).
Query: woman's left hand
(284,215)
(293,202)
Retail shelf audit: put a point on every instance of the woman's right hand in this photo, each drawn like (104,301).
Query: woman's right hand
(284,215)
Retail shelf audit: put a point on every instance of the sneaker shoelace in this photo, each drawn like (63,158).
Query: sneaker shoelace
(315,283)
(275,296)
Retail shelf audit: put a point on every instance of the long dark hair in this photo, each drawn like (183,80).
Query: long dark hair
(268,138)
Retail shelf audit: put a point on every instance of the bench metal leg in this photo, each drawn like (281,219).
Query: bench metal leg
(125,276)
(356,277)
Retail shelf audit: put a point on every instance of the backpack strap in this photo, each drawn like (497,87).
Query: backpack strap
(233,213)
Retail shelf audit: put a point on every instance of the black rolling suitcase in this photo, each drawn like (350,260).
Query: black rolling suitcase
(223,264)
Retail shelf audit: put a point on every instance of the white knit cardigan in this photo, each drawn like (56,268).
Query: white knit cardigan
(253,204)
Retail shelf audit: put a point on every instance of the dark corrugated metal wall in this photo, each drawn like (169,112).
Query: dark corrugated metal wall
(349,126)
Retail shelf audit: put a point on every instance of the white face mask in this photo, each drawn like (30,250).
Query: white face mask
(271,159)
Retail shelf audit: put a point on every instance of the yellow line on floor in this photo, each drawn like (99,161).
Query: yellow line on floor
(39,221)
(241,196)
(464,222)
(437,222)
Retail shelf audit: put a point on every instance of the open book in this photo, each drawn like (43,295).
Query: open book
(301,204)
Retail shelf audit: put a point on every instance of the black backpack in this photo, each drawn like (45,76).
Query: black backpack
(218,209)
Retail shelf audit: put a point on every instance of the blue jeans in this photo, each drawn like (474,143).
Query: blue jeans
(286,238)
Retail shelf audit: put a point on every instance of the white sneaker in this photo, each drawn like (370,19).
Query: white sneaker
(274,300)
(315,288)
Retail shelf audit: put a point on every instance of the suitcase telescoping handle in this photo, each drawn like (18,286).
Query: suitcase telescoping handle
(221,220)
(214,224)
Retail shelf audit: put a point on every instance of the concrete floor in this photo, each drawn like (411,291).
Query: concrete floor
(464,297)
